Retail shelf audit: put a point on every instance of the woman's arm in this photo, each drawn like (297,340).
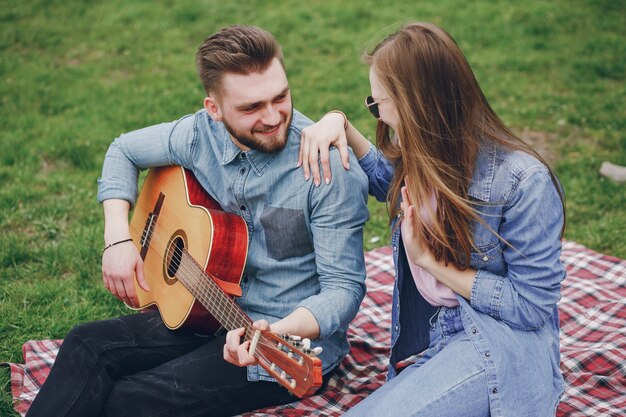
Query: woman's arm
(525,296)
(317,139)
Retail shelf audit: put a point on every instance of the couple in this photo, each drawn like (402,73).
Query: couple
(477,219)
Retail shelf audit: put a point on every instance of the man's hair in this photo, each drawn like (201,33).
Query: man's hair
(235,49)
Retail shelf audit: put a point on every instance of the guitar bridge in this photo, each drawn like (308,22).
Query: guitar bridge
(148,228)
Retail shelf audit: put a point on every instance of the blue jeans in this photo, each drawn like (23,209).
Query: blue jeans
(447,380)
(134,366)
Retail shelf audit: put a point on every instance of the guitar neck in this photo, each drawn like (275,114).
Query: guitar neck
(222,307)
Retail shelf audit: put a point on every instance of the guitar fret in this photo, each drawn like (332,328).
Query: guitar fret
(211,296)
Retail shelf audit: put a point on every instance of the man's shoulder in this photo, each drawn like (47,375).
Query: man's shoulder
(299,122)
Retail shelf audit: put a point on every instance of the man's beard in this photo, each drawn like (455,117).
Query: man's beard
(272,144)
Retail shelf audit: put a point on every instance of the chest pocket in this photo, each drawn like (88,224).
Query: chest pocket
(286,233)
(489,254)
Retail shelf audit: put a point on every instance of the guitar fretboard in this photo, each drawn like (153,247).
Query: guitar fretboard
(223,308)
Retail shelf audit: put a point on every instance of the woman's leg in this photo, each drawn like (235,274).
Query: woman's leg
(448,381)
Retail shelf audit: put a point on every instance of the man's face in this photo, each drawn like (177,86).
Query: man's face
(256,108)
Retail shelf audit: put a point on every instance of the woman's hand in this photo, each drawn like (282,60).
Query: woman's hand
(238,353)
(315,143)
(420,254)
(416,248)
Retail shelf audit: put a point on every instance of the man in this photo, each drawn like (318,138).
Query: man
(304,273)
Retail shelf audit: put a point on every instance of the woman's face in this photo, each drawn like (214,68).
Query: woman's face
(386,107)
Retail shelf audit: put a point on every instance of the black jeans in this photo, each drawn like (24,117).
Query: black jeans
(135,366)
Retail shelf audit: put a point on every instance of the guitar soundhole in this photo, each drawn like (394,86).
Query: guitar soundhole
(173,256)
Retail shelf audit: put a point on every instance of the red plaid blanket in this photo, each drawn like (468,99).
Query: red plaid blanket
(593,343)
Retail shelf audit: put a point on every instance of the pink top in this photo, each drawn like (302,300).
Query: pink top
(432,290)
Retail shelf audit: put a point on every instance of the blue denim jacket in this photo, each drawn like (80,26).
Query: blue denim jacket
(512,316)
(304,241)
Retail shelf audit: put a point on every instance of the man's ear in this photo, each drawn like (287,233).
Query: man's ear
(213,108)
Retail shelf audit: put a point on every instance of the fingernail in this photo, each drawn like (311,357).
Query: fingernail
(327,180)
(317,183)
(306,177)
(298,164)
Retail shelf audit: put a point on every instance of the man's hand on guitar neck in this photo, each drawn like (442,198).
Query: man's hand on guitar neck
(121,263)
(238,353)
(300,322)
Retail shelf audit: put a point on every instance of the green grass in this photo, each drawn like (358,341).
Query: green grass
(75,74)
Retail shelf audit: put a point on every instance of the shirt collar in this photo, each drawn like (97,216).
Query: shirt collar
(484,170)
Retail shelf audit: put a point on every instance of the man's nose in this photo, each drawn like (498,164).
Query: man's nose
(270,116)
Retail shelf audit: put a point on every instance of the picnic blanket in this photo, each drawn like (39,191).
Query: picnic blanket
(593,343)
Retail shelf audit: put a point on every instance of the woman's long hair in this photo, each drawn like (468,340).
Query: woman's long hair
(444,120)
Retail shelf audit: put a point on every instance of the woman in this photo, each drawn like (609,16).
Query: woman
(477,218)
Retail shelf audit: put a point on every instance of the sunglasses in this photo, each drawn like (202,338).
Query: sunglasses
(372,105)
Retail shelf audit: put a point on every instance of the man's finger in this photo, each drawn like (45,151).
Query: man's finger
(141,279)
(243,355)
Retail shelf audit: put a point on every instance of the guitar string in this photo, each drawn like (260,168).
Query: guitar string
(209,289)
(176,258)
(197,276)
(264,359)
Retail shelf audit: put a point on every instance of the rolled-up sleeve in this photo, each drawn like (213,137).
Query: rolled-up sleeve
(338,214)
(158,145)
(525,296)
(379,172)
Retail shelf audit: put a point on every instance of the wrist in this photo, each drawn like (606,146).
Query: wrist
(116,236)
(114,243)
(426,261)
(344,118)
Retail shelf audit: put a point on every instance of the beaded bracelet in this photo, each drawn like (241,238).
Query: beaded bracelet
(116,243)
(345,119)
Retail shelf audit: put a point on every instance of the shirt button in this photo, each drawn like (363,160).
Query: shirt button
(397,328)
(485,258)
(474,331)
(242,155)
(242,171)
(495,390)
(243,208)
(487,354)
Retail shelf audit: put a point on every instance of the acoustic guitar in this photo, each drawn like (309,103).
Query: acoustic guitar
(194,254)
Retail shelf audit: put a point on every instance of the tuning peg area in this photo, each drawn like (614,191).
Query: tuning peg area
(303,344)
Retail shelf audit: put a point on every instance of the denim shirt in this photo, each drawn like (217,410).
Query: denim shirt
(511,317)
(304,241)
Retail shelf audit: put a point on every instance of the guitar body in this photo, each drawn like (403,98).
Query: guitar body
(187,215)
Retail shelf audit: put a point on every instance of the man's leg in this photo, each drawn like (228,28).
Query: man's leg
(199,383)
(94,355)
